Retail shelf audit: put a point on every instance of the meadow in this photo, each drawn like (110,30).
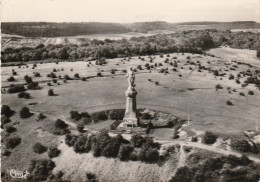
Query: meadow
(180,84)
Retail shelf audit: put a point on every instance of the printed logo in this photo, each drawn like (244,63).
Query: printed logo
(18,174)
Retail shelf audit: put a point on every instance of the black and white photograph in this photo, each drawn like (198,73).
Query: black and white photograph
(130,90)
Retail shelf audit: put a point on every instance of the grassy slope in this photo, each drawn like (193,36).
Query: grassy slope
(208,109)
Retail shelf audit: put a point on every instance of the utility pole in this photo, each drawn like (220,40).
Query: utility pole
(188,114)
(257,121)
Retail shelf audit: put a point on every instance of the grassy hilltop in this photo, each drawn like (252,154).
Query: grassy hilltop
(61,96)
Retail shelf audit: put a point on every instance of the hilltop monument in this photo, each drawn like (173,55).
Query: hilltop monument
(131,117)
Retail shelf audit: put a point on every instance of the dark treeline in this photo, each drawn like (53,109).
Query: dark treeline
(43,29)
(193,41)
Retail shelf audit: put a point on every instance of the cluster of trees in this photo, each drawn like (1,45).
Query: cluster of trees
(188,41)
(99,49)
(101,144)
(227,168)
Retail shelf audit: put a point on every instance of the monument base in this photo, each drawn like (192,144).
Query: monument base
(130,122)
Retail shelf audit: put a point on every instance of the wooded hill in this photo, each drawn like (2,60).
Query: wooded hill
(46,29)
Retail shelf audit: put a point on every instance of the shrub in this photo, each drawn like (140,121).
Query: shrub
(27,79)
(52,75)
(66,77)
(162,70)
(77,116)
(70,139)
(218,86)
(216,73)
(156,83)
(60,124)
(151,155)
(10,129)
(137,140)
(11,79)
(258,53)
(16,88)
(4,120)
(194,139)
(13,142)
(115,124)
(25,113)
(99,116)
(83,79)
(33,86)
(39,148)
(229,103)
(111,147)
(14,73)
(82,144)
(41,116)
(117,114)
(231,77)
(80,127)
(37,74)
(91,176)
(124,152)
(241,145)
(146,116)
(50,92)
(40,169)
(242,94)
(99,74)
(5,110)
(237,81)
(53,152)
(250,92)
(76,75)
(24,95)
(209,138)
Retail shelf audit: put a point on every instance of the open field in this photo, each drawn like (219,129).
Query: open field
(208,107)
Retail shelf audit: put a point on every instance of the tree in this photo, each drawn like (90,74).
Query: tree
(63,54)
(60,124)
(4,120)
(124,152)
(40,169)
(39,148)
(117,114)
(5,110)
(50,92)
(25,113)
(15,88)
(13,142)
(53,152)
(33,86)
(209,138)
(137,140)
(152,155)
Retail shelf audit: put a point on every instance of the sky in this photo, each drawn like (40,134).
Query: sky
(128,11)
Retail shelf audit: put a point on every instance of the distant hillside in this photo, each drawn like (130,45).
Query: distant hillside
(144,27)
(219,25)
(42,29)
(45,29)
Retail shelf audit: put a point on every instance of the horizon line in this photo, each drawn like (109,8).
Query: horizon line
(252,21)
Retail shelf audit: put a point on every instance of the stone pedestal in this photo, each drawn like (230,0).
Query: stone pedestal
(131,118)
